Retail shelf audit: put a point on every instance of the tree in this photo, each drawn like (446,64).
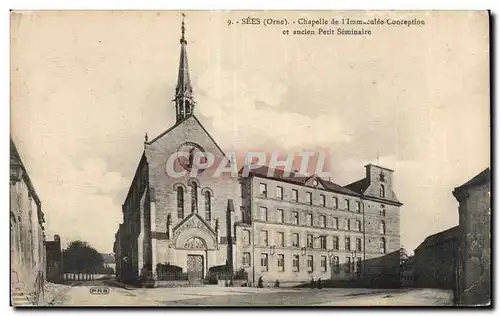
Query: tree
(80,257)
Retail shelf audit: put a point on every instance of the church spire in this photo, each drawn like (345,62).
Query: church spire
(184,103)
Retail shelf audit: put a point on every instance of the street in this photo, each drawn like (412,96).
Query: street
(79,295)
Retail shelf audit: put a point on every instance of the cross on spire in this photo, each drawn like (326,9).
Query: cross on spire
(183,29)
(184,103)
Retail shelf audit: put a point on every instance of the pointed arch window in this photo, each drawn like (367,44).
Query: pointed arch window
(194,197)
(208,206)
(180,202)
(382,191)
(181,108)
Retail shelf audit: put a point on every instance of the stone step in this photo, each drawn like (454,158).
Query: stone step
(21,301)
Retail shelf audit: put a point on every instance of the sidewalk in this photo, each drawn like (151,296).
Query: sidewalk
(54,294)
(413,297)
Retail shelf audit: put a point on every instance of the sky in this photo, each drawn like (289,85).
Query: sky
(87,86)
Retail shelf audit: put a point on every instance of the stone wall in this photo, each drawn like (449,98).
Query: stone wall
(475,256)
(28,262)
(435,265)
(335,210)
(164,193)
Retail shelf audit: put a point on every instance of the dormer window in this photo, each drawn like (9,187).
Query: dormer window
(382,191)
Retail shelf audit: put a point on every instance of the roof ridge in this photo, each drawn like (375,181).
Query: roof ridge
(301,179)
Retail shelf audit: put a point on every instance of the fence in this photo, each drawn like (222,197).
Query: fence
(78,276)
(197,277)
(238,275)
(180,276)
(173,276)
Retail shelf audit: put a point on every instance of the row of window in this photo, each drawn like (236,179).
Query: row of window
(349,224)
(280,263)
(280,218)
(194,202)
(295,241)
(309,200)
(263,210)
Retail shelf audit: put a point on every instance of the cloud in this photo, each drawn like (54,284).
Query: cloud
(246,110)
(78,201)
(84,95)
(85,208)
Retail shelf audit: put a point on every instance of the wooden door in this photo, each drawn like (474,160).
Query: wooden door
(195,268)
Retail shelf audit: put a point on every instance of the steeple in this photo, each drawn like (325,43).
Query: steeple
(184,103)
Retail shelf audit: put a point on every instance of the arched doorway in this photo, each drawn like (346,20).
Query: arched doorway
(196,259)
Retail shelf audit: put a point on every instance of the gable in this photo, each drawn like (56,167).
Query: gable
(193,220)
(191,131)
(194,225)
(189,126)
(315,182)
(184,136)
(373,191)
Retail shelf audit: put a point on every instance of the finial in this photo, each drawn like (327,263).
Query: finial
(378,158)
(183,29)
(146,138)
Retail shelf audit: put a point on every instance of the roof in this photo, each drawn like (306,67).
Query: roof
(359,186)
(440,237)
(184,87)
(108,258)
(482,178)
(180,122)
(136,174)
(298,179)
(336,188)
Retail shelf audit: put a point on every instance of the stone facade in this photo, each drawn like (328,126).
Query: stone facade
(198,223)
(117,249)
(435,260)
(474,282)
(292,236)
(27,237)
(156,228)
